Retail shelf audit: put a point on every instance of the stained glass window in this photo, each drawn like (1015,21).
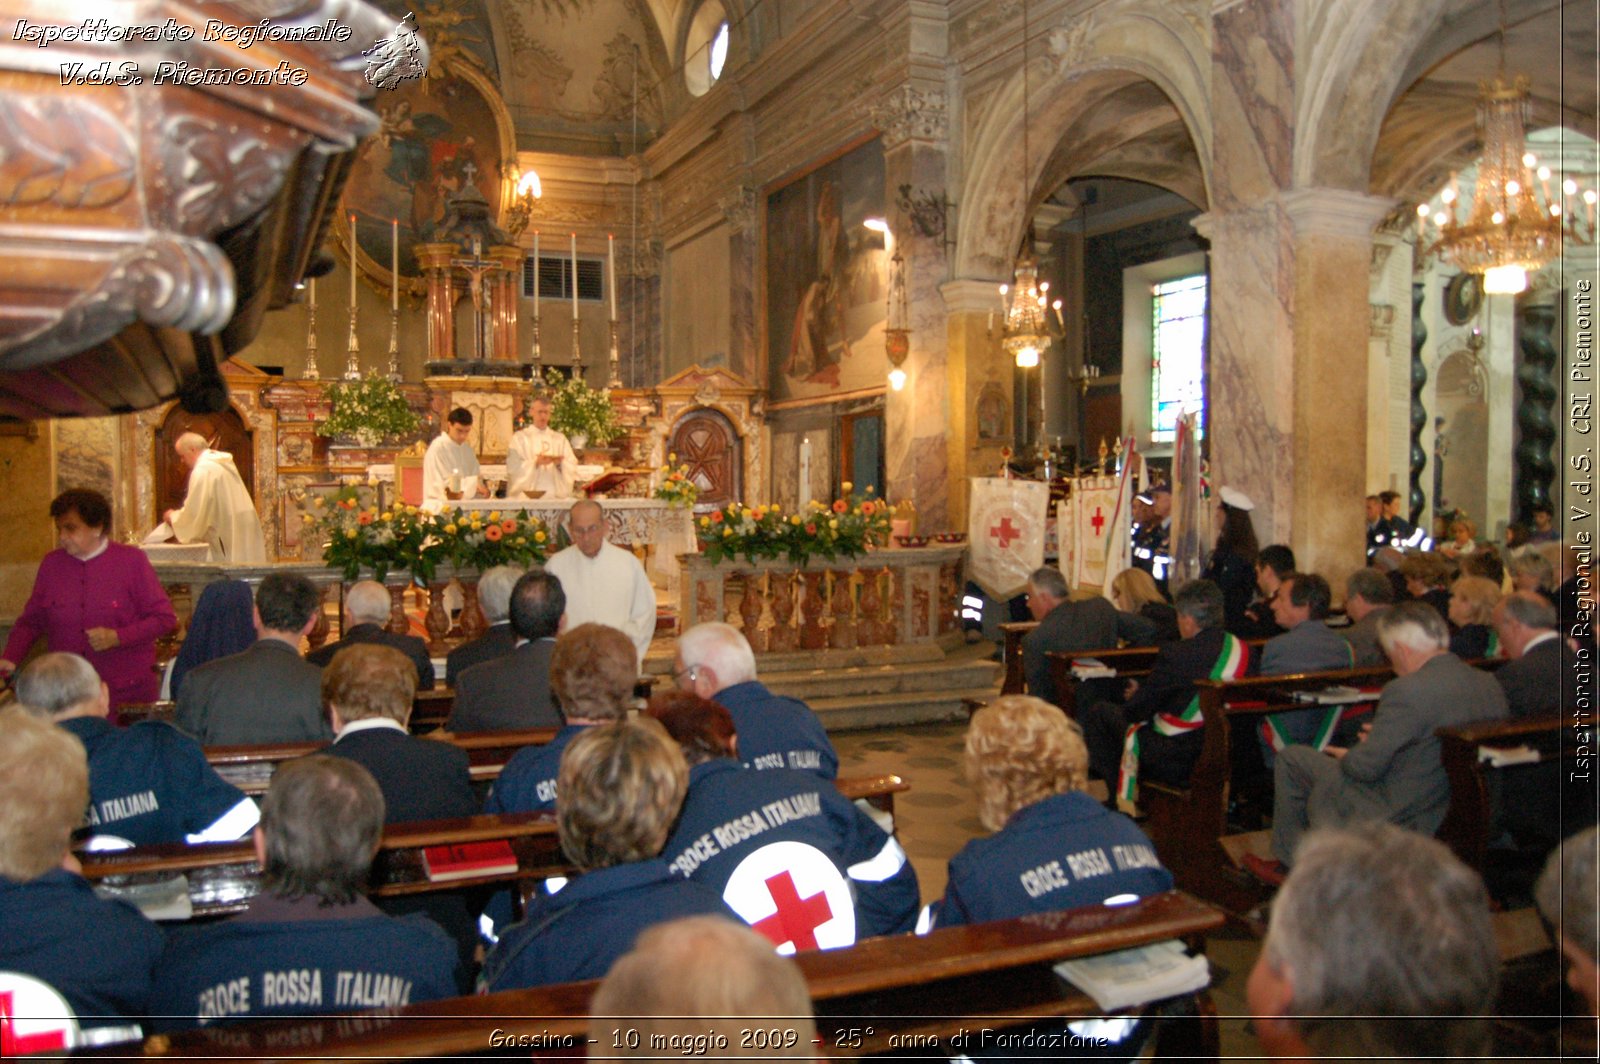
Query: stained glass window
(1178,359)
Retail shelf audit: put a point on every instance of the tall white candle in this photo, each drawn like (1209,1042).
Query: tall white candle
(574,276)
(352,262)
(536,275)
(394,264)
(611,272)
(805,472)
(313,293)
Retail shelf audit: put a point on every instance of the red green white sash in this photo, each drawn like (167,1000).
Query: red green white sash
(1272,733)
(1231,664)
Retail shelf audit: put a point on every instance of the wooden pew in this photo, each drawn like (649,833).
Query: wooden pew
(1470,818)
(223,877)
(431,710)
(250,767)
(1014,683)
(1129,663)
(899,991)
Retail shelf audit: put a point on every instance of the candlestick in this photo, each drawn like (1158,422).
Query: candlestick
(352,263)
(615,379)
(394,264)
(536,280)
(311,372)
(313,296)
(574,284)
(611,274)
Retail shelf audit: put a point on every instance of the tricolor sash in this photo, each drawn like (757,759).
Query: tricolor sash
(1231,664)
(1275,738)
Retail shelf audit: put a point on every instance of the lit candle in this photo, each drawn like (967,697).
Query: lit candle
(574,276)
(611,272)
(394,264)
(352,263)
(536,275)
(313,297)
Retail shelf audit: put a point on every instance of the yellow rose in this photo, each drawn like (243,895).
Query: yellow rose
(726,532)
(317,500)
(307,518)
(350,533)
(494,515)
(672,456)
(387,516)
(538,537)
(519,541)
(477,525)
(449,530)
(833,523)
(846,486)
(705,522)
(795,520)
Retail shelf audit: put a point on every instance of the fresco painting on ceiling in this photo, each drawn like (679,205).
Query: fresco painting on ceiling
(434,132)
(825,279)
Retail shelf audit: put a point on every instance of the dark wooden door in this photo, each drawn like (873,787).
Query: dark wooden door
(225,432)
(706,442)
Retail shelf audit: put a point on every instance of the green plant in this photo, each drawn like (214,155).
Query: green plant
(577,409)
(359,536)
(846,527)
(369,409)
(477,540)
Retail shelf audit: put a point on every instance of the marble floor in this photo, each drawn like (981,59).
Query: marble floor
(937,816)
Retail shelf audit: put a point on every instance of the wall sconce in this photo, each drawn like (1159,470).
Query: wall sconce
(527,189)
(897,324)
(929,213)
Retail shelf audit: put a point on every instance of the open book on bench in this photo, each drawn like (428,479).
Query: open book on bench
(468,859)
(1135,976)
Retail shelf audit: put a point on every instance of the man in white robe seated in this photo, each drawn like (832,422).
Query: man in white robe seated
(450,468)
(540,459)
(217,509)
(603,583)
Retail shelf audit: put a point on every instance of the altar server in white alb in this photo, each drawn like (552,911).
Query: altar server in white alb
(217,509)
(450,468)
(540,458)
(603,583)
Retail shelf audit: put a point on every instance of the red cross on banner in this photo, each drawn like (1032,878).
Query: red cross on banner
(1098,521)
(1005,532)
(797,918)
(14,1044)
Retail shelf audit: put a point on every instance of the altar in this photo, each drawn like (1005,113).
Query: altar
(633,523)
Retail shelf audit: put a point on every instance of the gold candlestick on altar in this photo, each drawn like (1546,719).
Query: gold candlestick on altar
(538,359)
(577,357)
(616,361)
(310,372)
(352,362)
(394,345)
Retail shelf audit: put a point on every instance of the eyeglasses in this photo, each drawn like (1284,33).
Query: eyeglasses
(689,672)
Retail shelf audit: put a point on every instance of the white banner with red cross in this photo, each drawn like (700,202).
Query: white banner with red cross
(1006,533)
(1092,521)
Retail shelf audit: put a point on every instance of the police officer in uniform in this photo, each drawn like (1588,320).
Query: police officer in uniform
(311,942)
(740,828)
(148,783)
(1152,550)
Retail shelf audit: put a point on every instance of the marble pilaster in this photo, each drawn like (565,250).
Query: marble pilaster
(979,372)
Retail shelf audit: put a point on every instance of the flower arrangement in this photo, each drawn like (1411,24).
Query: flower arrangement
(676,489)
(481,541)
(360,537)
(369,409)
(846,527)
(578,410)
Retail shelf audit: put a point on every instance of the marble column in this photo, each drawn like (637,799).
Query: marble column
(917,419)
(976,368)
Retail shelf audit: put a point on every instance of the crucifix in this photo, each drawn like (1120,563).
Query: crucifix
(476,268)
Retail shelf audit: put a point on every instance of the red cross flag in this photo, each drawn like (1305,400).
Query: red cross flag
(1094,525)
(1006,533)
(793,894)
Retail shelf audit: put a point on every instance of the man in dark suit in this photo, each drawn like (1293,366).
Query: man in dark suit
(1367,594)
(1168,743)
(494,598)
(1394,772)
(368,689)
(269,693)
(1273,566)
(1542,667)
(366,607)
(513,691)
(1300,607)
(1064,625)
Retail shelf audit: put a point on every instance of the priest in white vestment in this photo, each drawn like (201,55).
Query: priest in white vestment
(540,458)
(603,583)
(217,509)
(450,468)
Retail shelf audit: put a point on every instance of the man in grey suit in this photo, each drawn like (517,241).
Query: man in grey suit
(1367,594)
(1394,772)
(1300,607)
(1542,667)
(1064,625)
(513,691)
(494,599)
(269,693)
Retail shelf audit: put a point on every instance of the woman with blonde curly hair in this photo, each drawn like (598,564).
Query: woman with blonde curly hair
(1472,603)
(1054,847)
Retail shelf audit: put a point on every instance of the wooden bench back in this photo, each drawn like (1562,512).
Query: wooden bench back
(869,998)
(223,877)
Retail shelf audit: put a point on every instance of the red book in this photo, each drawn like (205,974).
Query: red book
(443,863)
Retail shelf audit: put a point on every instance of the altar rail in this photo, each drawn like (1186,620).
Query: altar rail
(898,597)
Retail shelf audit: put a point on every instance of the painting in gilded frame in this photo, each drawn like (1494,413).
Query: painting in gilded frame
(826,278)
(433,133)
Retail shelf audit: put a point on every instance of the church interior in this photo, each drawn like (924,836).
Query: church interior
(810,248)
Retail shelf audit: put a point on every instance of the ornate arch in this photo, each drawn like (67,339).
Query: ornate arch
(1084,64)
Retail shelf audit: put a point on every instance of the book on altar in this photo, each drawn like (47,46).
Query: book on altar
(159,534)
(1134,976)
(1091,669)
(469,859)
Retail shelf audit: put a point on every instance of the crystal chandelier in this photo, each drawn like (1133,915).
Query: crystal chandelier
(1027,329)
(1511,228)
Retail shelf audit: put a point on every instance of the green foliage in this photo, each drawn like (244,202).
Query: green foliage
(844,528)
(371,409)
(576,408)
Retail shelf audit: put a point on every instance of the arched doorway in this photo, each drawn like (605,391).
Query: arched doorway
(225,432)
(705,441)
